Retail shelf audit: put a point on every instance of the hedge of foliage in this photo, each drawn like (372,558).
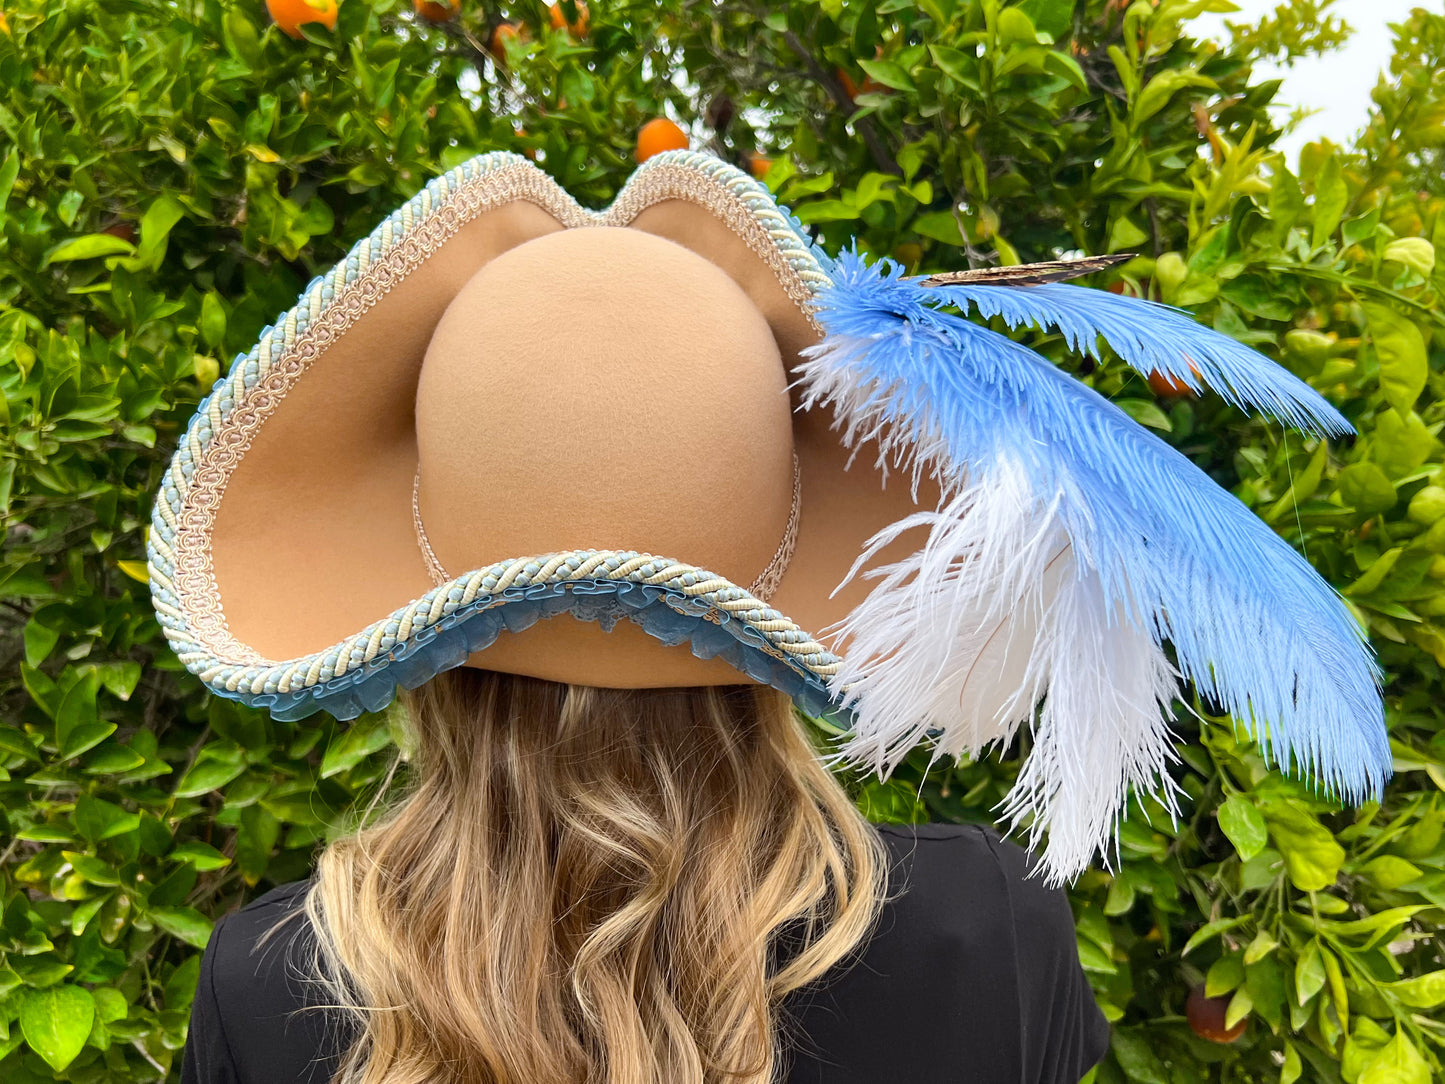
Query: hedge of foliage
(172,173)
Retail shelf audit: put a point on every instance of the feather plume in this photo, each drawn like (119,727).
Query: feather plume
(1070,546)
(1152,337)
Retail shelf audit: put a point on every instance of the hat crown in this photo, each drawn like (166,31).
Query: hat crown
(604,388)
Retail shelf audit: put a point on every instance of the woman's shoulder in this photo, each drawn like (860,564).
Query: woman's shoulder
(976,941)
(941,856)
(254,978)
(967,892)
(248,944)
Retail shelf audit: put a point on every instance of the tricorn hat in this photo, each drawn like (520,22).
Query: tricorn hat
(776,465)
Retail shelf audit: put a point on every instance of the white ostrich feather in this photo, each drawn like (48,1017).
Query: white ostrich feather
(997,616)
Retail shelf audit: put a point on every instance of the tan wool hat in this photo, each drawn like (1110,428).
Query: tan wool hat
(776,465)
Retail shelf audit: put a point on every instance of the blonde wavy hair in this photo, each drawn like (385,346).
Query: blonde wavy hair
(590,886)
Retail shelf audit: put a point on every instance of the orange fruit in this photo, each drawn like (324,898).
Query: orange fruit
(853,88)
(658,135)
(908,253)
(1171,387)
(504,33)
(579,27)
(522,133)
(1206,1017)
(124,230)
(4,24)
(758,165)
(290,15)
(433,12)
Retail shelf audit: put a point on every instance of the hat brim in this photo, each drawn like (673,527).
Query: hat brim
(284,567)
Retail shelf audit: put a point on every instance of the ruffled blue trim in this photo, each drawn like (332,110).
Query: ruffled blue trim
(670,616)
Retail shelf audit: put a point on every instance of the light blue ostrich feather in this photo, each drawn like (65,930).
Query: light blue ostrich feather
(1160,547)
(1155,338)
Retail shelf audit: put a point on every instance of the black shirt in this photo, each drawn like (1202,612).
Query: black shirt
(971,975)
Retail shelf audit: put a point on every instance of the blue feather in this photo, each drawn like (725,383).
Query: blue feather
(1154,338)
(1253,625)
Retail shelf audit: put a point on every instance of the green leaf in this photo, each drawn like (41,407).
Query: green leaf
(1014,26)
(180,989)
(1400,348)
(85,911)
(1146,412)
(213,769)
(1262,945)
(1136,1057)
(1244,825)
(119,678)
(1312,858)
(1121,895)
(825,210)
(1094,959)
(89,247)
(1286,201)
(97,819)
(1211,930)
(1240,1006)
(56,1022)
(201,855)
(354,744)
(84,737)
(1415,253)
(959,66)
(39,641)
(186,923)
(1367,1039)
(1124,235)
(41,971)
(1376,573)
(1067,68)
(92,869)
(1258,296)
(1366,489)
(213,319)
(1225,974)
(77,708)
(1053,17)
(110,1004)
(155,229)
(1400,443)
(16,743)
(887,73)
(1164,86)
(1302,488)
(940,226)
(1309,973)
(45,833)
(1292,1068)
(1379,922)
(1331,198)
(1265,983)
(1421,992)
(9,170)
(241,36)
(1398,1063)
(1390,872)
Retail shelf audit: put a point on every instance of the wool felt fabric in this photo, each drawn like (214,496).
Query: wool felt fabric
(596,416)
